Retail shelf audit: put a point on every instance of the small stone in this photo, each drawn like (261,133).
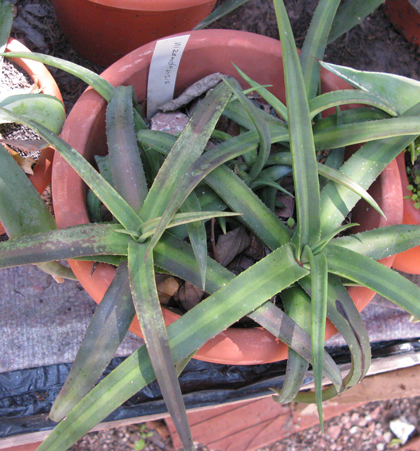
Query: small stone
(355,417)
(375,413)
(380,446)
(354,430)
(345,419)
(169,122)
(334,432)
(387,436)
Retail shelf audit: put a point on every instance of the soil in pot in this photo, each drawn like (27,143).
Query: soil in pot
(242,346)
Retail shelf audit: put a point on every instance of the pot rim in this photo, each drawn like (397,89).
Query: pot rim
(149,5)
(41,177)
(238,342)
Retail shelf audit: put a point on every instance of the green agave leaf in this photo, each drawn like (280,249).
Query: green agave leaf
(350,14)
(402,92)
(280,325)
(315,42)
(348,97)
(319,288)
(260,219)
(301,139)
(246,292)
(382,242)
(263,180)
(149,227)
(260,125)
(6,19)
(297,306)
(345,317)
(188,147)
(224,9)
(104,334)
(99,84)
(371,274)
(197,235)
(124,156)
(277,104)
(363,168)
(45,109)
(110,198)
(149,314)
(333,175)
(21,208)
(348,134)
(83,240)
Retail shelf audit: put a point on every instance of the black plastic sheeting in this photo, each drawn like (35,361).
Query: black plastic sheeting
(26,396)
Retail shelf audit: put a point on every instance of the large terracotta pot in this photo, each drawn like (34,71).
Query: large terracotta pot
(405,16)
(41,177)
(409,260)
(105,30)
(207,52)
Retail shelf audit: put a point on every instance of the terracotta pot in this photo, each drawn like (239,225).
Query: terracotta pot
(207,52)
(41,177)
(408,261)
(105,30)
(405,16)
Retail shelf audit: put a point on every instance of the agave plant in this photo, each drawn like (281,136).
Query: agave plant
(307,265)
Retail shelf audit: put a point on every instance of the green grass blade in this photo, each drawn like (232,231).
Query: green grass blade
(6,20)
(84,240)
(214,314)
(99,84)
(110,198)
(147,305)
(351,14)
(315,42)
(260,125)
(319,287)
(348,97)
(188,147)
(373,275)
(302,147)
(104,334)
(124,156)
(224,9)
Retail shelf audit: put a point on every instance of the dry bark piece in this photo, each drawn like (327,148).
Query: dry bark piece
(231,244)
(194,91)
(172,123)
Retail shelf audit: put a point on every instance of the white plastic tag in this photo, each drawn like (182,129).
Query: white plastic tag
(163,71)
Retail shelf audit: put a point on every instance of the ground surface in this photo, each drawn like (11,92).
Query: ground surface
(373,45)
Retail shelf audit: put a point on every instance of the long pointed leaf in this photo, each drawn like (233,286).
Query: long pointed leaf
(186,150)
(373,275)
(315,42)
(124,156)
(113,201)
(301,139)
(187,334)
(224,9)
(146,302)
(104,334)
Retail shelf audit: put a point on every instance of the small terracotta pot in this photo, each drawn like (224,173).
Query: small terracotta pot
(41,177)
(405,17)
(207,52)
(407,261)
(105,30)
